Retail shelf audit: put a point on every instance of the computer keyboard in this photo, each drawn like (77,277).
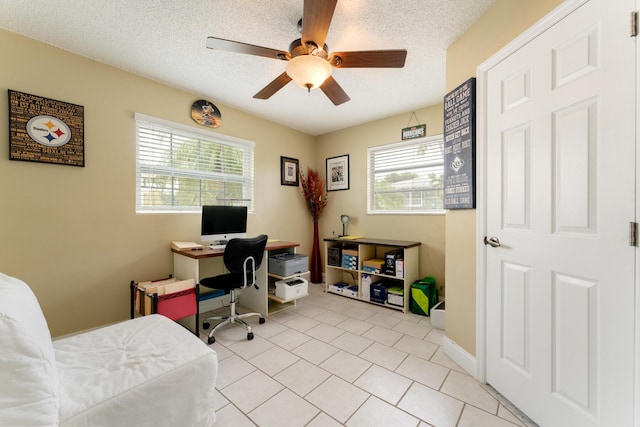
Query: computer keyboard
(217,246)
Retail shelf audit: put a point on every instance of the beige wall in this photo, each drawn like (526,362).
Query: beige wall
(72,233)
(503,22)
(354,141)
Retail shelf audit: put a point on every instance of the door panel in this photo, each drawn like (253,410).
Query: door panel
(560,194)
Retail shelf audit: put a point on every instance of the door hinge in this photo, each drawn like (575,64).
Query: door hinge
(633,234)
(634,24)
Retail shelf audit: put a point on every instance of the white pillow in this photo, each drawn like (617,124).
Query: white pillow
(29,385)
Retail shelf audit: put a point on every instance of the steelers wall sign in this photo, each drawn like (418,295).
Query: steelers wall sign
(45,130)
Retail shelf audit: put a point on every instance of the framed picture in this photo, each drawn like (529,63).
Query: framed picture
(45,130)
(289,171)
(338,173)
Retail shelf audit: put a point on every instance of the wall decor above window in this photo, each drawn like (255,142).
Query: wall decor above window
(205,113)
(45,130)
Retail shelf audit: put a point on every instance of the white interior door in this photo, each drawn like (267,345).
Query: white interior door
(560,195)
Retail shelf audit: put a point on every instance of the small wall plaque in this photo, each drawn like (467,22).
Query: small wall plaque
(417,131)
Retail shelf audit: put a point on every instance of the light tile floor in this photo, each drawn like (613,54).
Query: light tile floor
(333,361)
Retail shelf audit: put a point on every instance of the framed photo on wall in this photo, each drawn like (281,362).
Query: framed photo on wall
(289,174)
(338,173)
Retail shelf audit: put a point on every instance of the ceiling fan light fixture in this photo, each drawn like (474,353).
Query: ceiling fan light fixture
(308,71)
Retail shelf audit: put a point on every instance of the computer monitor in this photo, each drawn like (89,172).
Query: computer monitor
(222,223)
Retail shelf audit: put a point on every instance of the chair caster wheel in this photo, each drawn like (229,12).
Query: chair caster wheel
(206,325)
(211,340)
(250,336)
(261,321)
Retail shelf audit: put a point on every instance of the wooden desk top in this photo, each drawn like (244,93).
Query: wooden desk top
(210,253)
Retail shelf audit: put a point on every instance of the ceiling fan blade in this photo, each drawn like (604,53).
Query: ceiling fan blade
(334,91)
(369,59)
(249,49)
(277,84)
(316,18)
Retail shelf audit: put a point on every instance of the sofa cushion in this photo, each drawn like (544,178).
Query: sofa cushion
(29,384)
(149,371)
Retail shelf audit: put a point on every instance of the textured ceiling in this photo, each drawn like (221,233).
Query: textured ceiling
(165,40)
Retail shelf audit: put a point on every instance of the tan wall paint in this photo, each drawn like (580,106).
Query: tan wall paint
(503,22)
(427,229)
(72,233)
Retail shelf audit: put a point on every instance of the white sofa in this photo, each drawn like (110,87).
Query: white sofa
(148,371)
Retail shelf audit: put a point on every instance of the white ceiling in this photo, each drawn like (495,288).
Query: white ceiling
(165,40)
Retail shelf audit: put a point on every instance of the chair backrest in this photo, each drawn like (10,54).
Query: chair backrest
(238,251)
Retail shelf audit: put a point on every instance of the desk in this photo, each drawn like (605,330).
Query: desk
(207,262)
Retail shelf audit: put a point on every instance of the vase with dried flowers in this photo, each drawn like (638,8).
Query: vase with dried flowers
(315,195)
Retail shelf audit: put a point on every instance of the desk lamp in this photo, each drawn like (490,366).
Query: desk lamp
(345,220)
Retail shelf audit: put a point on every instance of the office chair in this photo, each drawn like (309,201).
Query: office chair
(242,257)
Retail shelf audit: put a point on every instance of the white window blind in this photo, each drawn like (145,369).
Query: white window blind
(181,169)
(406,177)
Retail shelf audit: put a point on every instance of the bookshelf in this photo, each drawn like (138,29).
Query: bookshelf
(357,275)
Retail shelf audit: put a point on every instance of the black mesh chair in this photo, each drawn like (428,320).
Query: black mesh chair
(242,257)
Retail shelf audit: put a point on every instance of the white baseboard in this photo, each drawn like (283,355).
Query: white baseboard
(460,356)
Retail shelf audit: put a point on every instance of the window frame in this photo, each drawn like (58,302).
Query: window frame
(371,195)
(184,131)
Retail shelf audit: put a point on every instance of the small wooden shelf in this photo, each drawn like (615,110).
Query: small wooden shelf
(275,307)
(288,277)
(279,300)
(367,249)
(275,303)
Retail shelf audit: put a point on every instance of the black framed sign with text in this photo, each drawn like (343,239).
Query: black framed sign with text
(460,147)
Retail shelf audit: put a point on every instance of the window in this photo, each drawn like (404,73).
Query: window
(180,168)
(406,177)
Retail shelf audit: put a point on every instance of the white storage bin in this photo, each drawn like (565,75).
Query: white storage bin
(437,315)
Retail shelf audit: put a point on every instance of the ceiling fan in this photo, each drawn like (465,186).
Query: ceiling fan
(309,62)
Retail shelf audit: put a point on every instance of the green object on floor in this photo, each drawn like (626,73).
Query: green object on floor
(424,295)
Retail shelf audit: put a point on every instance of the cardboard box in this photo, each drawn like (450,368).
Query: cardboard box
(349,261)
(367,281)
(351,291)
(337,287)
(400,268)
(390,258)
(334,256)
(374,265)
(285,265)
(395,296)
(378,294)
(292,288)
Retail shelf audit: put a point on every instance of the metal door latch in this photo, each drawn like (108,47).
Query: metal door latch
(492,241)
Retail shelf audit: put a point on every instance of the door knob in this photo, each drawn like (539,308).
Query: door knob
(492,241)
